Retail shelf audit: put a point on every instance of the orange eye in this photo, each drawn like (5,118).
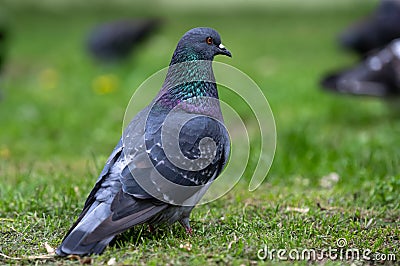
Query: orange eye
(209,40)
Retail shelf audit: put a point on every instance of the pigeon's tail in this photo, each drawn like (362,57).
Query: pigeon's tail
(101,222)
(76,242)
(95,248)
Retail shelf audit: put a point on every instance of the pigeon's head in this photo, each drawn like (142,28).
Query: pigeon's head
(199,44)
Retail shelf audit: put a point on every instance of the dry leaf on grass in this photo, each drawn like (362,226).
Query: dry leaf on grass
(295,209)
(49,249)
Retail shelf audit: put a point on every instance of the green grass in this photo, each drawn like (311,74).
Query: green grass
(57,131)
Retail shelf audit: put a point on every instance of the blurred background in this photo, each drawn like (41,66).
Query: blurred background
(64,90)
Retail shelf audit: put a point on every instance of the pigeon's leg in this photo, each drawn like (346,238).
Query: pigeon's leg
(185,223)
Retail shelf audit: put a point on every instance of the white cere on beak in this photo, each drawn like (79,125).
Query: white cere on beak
(221,46)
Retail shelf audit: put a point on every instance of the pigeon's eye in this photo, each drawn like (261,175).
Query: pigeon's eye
(209,40)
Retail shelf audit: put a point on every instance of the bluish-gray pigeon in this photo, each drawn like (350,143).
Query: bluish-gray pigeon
(167,157)
(377,75)
(114,41)
(375,31)
(3,37)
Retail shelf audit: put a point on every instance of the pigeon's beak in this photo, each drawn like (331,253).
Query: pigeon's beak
(222,50)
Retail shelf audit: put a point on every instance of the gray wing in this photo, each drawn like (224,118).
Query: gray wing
(152,174)
(108,210)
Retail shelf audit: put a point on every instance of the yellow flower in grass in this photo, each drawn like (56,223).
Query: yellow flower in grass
(105,84)
(4,153)
(48,78)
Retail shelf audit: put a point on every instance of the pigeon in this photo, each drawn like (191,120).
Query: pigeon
(3,49)
(3,39)
(378,75)
(167,157)
(114,41)
(374,32)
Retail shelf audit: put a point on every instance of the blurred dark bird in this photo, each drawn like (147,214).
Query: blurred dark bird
(3,46)
(146,180)
(377,75)
(114,41)
(374,32)
(3,38)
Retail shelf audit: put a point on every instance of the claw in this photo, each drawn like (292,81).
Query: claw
(185,223)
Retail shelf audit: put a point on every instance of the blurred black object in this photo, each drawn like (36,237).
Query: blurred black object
(376,31)
(377,75)
(3,48)
(114,41)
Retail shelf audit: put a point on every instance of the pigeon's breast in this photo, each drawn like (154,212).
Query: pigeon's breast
(189,151)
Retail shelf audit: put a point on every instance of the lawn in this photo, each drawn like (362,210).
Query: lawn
(336,171)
